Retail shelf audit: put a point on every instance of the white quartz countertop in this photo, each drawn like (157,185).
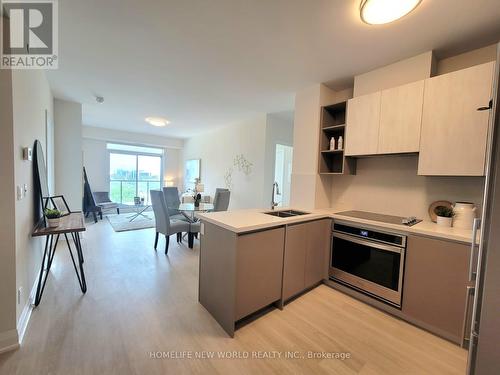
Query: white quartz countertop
(241,221)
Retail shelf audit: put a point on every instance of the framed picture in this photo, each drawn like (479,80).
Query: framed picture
(192,171)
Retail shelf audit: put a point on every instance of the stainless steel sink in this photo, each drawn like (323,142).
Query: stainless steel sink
(286,213)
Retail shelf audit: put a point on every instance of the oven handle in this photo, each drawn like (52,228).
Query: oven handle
(376,245)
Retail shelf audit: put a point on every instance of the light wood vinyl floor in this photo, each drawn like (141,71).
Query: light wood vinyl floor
(139,302)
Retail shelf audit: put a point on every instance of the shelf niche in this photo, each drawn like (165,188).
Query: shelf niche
(332,124)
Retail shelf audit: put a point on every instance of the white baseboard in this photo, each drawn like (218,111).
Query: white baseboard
(9,341)
(24,319)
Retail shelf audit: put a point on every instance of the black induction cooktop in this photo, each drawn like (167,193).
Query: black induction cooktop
(398,220)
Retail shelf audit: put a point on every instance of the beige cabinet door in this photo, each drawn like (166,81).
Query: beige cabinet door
(435,284)
(454,133)
(294,259)
(318,249)
(259,269)
(362,125)
(401,119)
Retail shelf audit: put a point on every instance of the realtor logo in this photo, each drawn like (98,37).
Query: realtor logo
(29,34)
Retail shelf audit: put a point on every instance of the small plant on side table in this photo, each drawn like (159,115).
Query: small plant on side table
(444,216)
(53,217)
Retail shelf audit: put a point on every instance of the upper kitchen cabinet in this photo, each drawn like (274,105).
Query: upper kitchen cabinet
(454,132)
(401,119)
(362,125)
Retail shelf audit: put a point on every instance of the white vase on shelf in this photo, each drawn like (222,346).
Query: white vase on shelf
(332,143)
(340,144)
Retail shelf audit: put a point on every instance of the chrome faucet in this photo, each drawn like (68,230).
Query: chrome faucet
(276,189)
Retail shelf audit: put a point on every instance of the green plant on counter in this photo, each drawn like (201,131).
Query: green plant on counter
(444,211)
(52,214)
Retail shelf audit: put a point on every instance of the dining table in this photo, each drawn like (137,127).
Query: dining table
(189,210)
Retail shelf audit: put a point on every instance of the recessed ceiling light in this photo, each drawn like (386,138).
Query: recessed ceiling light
(377,12)
(157,121)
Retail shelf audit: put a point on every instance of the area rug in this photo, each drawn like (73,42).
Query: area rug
(122,223)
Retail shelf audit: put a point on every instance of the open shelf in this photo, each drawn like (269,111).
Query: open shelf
(333,124)
(334,128)
(332,151)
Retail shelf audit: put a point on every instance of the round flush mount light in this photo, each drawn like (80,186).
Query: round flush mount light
(157,121)
(378,12)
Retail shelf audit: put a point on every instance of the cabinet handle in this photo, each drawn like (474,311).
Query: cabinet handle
(490,105)
(472,274)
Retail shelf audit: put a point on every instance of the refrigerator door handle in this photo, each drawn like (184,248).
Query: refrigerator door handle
(472,273)
(472,353)
(467,317)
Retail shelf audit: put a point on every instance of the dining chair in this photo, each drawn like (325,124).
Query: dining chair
(221,200)
(217,191)
(173,201)
(164,224)
(194,229)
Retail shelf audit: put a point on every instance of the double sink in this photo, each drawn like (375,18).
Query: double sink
(286,213)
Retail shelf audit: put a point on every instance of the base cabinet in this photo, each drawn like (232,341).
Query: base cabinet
(259,265)
(306,256)
(435,285)
(239,273)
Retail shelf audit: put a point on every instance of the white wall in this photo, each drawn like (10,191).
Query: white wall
(279,130)
(309,189)
(8,333)
(390,185)
(96,156)
(68,154)
(31,98)
(217,150)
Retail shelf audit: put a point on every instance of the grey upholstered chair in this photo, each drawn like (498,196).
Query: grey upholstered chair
(164,224)
(102,200)
(173,201)
(221,199)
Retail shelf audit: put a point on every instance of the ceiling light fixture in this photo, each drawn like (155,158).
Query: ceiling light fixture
(377,12)
(157,121)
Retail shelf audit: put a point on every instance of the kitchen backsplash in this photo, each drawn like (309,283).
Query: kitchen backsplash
(391,185)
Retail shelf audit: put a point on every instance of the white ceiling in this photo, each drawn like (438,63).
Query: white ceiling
(209,63)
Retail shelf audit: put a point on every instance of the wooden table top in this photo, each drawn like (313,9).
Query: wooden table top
(74,222)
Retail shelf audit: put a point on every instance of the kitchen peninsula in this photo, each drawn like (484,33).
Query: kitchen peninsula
(251,259)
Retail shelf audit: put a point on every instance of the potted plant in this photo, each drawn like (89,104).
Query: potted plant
(53,217)
(444,216)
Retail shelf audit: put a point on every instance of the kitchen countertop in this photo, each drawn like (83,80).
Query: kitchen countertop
(241,221)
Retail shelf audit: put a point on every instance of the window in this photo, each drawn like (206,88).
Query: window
(133,172)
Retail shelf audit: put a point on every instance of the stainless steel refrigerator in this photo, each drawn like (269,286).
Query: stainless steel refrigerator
(484,342)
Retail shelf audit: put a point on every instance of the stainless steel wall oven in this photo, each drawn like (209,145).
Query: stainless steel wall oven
(368,260)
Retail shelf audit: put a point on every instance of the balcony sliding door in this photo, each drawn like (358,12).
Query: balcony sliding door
(133,174)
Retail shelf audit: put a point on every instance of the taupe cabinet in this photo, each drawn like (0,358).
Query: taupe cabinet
(243,273)
(385,122)
(306,256)
(454,132)
(435,285)
(239,273)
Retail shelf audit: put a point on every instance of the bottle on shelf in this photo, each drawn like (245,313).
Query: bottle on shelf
(332,143)
(340,143)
